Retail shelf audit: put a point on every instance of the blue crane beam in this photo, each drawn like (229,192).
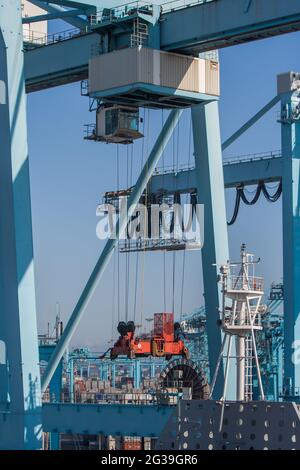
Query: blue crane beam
(52,16)
(106,419)
(223,23)
(20,398)
(290,138)
(83,4)
(57,64)
(191,29)
(251,122)
(55,9)
(248,172)
(210,192)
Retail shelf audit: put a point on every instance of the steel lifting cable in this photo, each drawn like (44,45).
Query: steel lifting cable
(175,201)
(144,251)
(137,253)
(127,254)
(160,219)
(113,299)
(118,252)
(184,251)
(171,230)
(261,188)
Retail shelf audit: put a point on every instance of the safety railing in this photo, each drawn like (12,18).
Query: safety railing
(120,12)
(89,131)
(33,39)
(226,161)
(179,4)
(150,244)
(254,320)
(251,283)
(210,55)
(167,169)
(252,157)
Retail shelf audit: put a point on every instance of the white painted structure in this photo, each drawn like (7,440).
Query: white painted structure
(37,30)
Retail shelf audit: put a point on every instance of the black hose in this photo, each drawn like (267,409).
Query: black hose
(274,197)
(261,187)
(256,196)
(236,207)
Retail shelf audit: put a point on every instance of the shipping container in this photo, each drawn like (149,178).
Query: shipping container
(160,71)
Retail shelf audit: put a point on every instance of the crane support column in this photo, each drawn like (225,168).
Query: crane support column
(20,397)
(290,135)
(210,190)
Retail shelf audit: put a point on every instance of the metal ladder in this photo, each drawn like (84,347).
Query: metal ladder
(248,368)
(140,34)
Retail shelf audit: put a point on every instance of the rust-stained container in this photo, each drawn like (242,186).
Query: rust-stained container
(132,443)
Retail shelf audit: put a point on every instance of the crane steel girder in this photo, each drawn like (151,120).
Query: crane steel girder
(223,23)
(191,30)
(106,419)
(248,172)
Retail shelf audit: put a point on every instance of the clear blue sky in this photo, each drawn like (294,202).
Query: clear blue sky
(70,175)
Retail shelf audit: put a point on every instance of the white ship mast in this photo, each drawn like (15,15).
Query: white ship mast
(241,317)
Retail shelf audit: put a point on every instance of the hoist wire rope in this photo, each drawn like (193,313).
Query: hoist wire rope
(137,253)
(164,251)
(175,201)
(126,239)
(145,227)
(113,297)
(118,251)
(129,253)
(184,251)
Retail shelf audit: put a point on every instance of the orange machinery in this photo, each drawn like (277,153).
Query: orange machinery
(166,340)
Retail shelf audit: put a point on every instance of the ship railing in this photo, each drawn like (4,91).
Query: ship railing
(252,283)
(255,320)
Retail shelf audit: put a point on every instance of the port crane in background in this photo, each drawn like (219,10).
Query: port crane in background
(45,61)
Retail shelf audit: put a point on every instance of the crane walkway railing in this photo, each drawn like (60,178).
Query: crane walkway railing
(179,4)
(226,161)
(121,12)
(34,39)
